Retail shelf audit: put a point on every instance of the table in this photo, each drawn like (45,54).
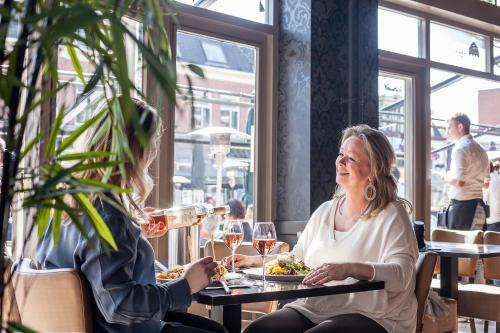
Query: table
(449,253)
(228,306)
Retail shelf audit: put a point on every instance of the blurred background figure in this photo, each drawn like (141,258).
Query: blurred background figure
(237,212)
(492,198)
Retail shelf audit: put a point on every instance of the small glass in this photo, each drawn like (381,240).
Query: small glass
(233,237)
(264,240)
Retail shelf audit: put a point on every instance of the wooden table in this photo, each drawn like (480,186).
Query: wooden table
(449,253)
(227,307)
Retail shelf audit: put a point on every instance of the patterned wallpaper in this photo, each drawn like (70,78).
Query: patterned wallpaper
(328,69)
(294,103)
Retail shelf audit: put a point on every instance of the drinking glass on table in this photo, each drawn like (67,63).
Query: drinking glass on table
(233,236)
(264,240)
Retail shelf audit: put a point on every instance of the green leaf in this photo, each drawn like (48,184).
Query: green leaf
(42,219)
(77,66)
(76,134)
(56,225)
(94,80)
(30,145)
(51,143)
(85,155)
(196,70)
(14,326)
(96,220)
(101,185)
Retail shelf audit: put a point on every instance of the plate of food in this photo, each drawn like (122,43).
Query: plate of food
(178,271)
(287,269)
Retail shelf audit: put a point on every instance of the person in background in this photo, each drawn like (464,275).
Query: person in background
(492,198)
(249,215)
(469,173)
(126,297)
(237,212)
(363,233)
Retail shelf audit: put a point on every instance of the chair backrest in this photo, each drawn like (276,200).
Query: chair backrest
(466,267)
(56,300)
(491,265)
(221,250)
(10,311)
(424,272)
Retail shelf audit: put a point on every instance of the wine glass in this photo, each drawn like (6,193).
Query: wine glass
(264,240)
(233,236)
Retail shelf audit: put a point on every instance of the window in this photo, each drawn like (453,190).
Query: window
(229,118)
(458,47)
(496,57)
(395,110)
(213,52)
(253,10)
(476,97)
(202,115)
(399,33)
(204,170)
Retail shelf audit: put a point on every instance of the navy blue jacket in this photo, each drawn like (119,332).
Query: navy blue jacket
(126,296)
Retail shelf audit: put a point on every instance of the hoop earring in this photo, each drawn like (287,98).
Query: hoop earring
(370,188)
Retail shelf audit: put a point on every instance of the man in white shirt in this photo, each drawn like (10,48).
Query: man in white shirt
(469,173)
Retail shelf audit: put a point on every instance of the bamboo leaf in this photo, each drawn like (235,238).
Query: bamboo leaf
(85,155)
(96,77)
(77,66)
(56,226)
(42,219)
(102,185)
(51,143)
(96,220)
(76,134)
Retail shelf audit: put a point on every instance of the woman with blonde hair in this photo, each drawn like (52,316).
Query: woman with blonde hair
(125,294)
(363,233)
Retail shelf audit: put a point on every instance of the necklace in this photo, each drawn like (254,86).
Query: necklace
(355,217)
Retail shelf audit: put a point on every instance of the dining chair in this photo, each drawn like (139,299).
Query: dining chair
(466,266)
(424,271)
(221,251)
(481,300)
(57,300)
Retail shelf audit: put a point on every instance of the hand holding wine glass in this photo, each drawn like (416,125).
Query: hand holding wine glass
(233,237)
(264,240)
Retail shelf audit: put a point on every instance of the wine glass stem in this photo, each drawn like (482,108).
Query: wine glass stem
(263,271)
(233,253)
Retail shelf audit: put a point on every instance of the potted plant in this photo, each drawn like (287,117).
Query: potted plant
(92,33)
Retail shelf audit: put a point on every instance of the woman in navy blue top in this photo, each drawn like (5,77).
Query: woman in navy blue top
(126,296)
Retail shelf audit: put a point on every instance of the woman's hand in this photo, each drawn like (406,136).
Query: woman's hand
(152,230)
(328,272)
(198,273)
(241,260)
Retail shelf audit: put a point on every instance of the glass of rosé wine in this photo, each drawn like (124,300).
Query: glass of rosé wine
(233,237)
(264,240)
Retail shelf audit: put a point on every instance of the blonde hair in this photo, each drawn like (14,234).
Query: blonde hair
(136,179)
(381,158)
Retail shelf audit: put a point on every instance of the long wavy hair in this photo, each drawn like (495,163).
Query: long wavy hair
(381,158)
(134,175)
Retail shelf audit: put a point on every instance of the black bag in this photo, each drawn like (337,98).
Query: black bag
(442,217)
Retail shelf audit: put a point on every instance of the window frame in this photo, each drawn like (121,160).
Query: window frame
(264,37)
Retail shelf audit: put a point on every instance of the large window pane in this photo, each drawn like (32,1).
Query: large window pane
(478,98)
(253,10)
(395,107)
(223,102)
(458,47)
(399,33)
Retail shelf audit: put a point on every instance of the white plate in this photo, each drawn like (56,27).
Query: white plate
(256,273)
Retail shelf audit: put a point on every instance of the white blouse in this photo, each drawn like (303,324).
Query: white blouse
(386,241)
